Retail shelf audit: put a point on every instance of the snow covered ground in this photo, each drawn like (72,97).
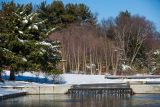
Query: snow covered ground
(90,79)
(87,79)
(31,79)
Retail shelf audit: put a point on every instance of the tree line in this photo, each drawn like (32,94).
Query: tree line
(125,44)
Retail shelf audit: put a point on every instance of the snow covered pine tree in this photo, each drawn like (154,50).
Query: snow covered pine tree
(26,46)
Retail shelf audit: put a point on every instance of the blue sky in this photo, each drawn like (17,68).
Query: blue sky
(111,8)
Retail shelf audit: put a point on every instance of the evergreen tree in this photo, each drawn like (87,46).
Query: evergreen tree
(58,14)
(52,12)
(84,14)
(24,45)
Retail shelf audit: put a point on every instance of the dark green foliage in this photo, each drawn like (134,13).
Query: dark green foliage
(23,40)
(61,15)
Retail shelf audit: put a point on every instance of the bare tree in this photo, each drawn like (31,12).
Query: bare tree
(83,46)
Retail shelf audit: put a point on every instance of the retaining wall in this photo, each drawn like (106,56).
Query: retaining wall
(57,89)
(137,88)
(145,88)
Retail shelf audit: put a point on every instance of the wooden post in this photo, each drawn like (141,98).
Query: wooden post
(63,65)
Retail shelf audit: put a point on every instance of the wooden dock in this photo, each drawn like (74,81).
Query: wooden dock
(117,89)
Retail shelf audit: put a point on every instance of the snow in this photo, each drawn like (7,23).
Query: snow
(45,43)
(28,79)
(24,59)
(157,52)
(63,78)
(53,29)
(21,12)
(87,79)
(39,23)
(35,27)
(29,74)
(55,55)
(29,27)
(50,31)
(16,27)
(55,46)
(48,44)
(41,53)
(6,72)
(43,50)
(69,79)
(6,50)
(125,67)
(21,40)
(32,16)
(21,32)
(4,92)
(25,21)
(56,41)
(25,18)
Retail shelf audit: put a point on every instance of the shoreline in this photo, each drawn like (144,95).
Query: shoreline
(138,87)
(146,85)
(11,93)
(16,91)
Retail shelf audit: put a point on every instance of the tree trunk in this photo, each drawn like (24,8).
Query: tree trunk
(0,76)
(90,58)
(12,75)
(1,80)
